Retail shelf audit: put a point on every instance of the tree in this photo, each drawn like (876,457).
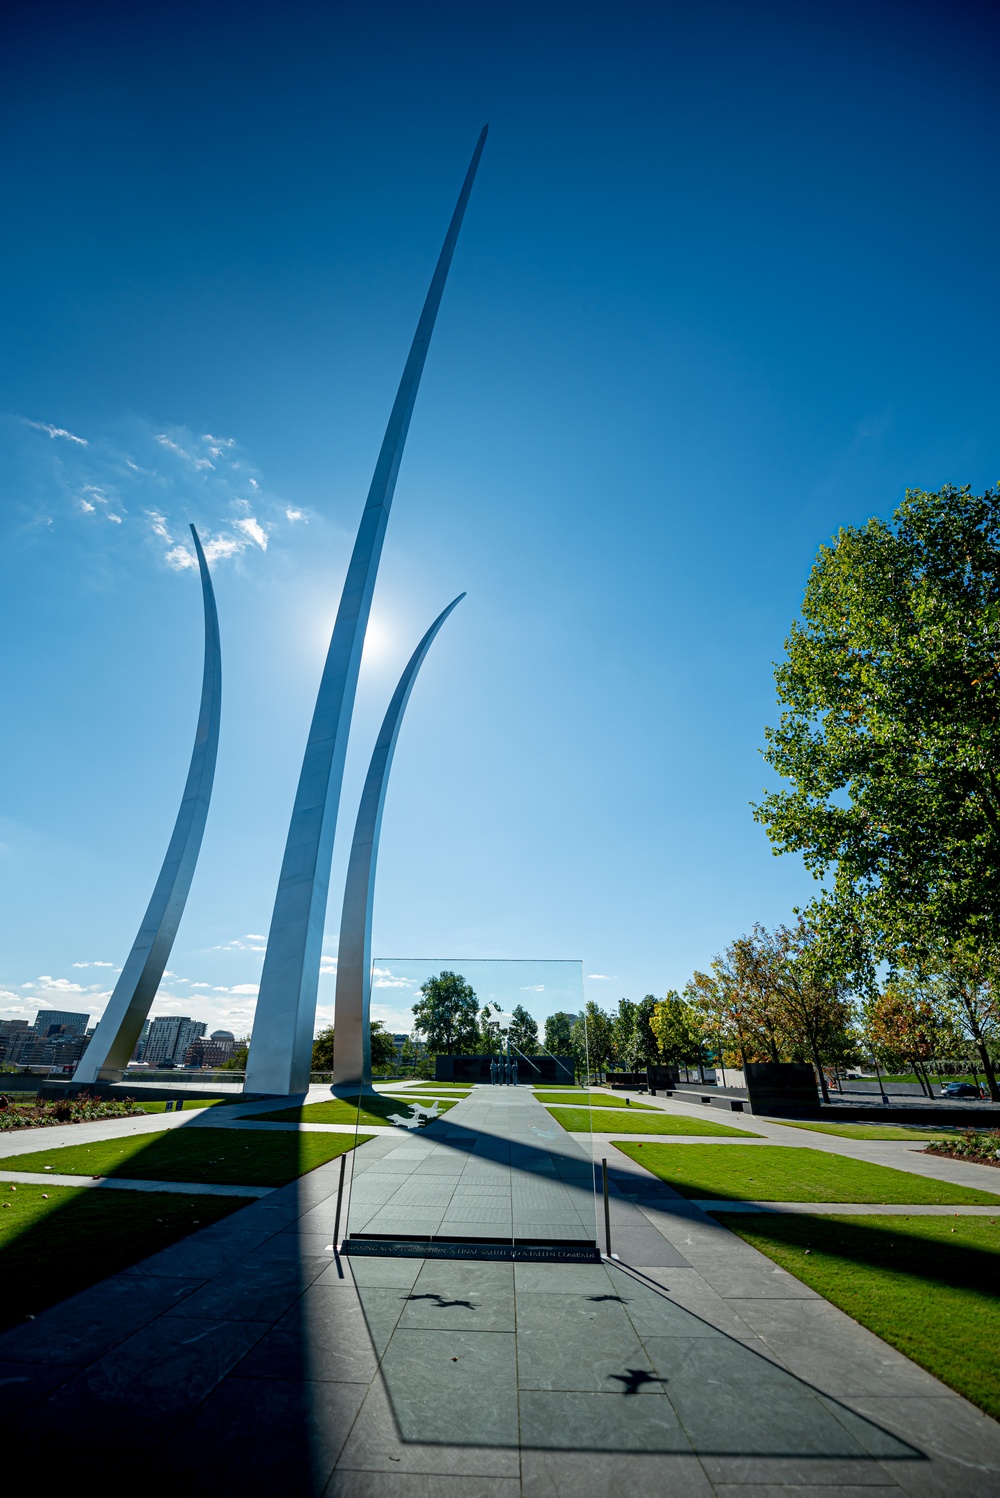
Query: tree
(972,1004)
(902,1026)
(678,1030)
(593,1037)
(446,1014)
(489,1032)
(890,732)
(813,1011)
(382,1044)
(624,1038)
(322,1056)
(646,1044)
(559,1034)
(237,1061)
(524,1032)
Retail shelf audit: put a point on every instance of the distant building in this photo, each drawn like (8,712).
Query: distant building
(12,1033)
(141,1042)
(60,1022)
(212,1052)
(169,1037)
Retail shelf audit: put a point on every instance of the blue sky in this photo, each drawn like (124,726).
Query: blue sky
(726,282)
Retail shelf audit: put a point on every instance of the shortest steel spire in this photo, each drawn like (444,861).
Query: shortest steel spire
(352,1052)
(113,1042)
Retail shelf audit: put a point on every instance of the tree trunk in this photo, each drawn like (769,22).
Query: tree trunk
(822,1074)
(918,1072)
(988,1068)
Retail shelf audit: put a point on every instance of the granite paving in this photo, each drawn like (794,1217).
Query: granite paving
(253,1356)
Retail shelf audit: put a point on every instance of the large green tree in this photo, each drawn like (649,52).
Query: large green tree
(447,1015)
(677,1025)
(890,732)
(559,1034)
(524,1031)
(383,1045)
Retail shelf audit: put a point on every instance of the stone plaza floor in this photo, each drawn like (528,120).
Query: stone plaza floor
(251,1357)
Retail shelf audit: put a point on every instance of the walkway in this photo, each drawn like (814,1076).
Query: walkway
(250,1358)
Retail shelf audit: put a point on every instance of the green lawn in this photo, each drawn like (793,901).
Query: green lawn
(376,1111)
(457,1087)
(873,1131)
(926,1285)
(253,1157)
(596,1099)
(779,1173)
(51,1248)
(189,1106)
(613,1121)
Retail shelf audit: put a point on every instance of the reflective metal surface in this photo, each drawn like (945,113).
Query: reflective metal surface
(281,1045)
(110,1050)
(352,1057)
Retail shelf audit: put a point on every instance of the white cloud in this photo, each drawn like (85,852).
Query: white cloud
(86,506)
(115,519)
(294,515)
(108,964)
(602,977)
(175,447)
(252,528)
(533,988)
(56,985)
(43,426)
(384,978)
(255,936)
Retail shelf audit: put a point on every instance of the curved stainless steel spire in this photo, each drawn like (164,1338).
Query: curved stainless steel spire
(352,1055)
(110,1050)
(281,1047)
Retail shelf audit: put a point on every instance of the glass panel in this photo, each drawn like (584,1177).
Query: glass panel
(485,1151)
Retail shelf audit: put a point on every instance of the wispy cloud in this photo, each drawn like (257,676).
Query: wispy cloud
(533,988)
(44,426)
(181,452)
(148,482)
(252,528)
(108,964)
(602,977)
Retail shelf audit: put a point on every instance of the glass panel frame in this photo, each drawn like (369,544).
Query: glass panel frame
(478,1164)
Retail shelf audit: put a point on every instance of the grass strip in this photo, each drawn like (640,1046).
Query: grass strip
(781,1173)
(456,1087)
(873,1131)
(925,1285)
(230,1157)
(594,1099)
(189,1105)
(609,1121)
(376,1111)
(58,1240)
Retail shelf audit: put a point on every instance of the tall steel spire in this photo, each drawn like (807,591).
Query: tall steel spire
(281,1047)
(352,1057)
(113,1042)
